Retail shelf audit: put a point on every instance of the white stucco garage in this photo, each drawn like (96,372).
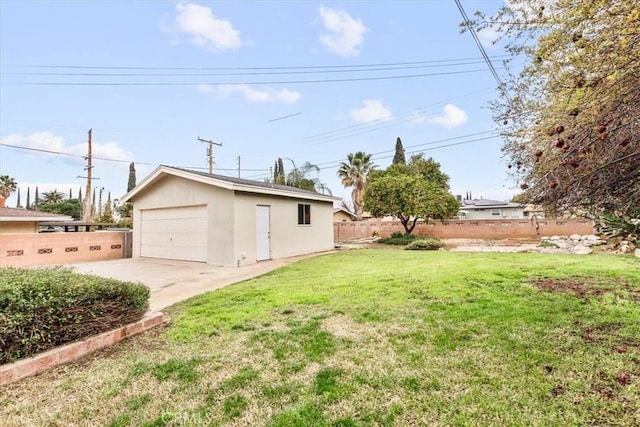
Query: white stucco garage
(194,216)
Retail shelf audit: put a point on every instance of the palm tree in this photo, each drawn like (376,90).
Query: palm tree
(52,197)
(299,177)
(8,185)
(353,173)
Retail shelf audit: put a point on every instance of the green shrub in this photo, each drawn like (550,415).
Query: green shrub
(44,308)
(425,245)
(623,227)
(398,239)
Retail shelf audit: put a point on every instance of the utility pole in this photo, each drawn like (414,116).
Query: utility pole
(86,214)
(238,166)
(210,151)
(87,201)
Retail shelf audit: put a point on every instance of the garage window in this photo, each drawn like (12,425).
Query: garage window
(304,214)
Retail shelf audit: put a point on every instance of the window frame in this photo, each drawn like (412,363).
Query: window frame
(304,214)
(493,212)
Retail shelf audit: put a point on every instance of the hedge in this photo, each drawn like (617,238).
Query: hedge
(44,308)
(425,245)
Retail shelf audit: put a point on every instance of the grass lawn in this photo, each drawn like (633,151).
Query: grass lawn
(373,337)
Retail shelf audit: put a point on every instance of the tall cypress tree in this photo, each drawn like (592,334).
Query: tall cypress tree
(278,176)
(399,158)
(37,200)
(132,177)
(18,202)
(80,194)
(28,206)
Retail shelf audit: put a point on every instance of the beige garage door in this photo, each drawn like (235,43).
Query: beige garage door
(174,233)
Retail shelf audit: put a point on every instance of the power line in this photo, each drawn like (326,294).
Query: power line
(83,156)
(243,73)
(376,124)
(274,82)
(483,52)
(383,64)
(336,163)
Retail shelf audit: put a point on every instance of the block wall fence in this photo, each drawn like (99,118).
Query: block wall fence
(468,229)
(26,250)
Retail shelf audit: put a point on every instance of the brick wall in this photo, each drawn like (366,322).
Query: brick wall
(467,229)
(25,250)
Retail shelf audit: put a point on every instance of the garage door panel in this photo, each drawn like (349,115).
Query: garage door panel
(173,225)
(174,233)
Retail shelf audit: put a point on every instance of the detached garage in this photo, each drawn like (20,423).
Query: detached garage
(194,216)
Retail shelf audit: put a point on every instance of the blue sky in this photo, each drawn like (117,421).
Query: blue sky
(150,77)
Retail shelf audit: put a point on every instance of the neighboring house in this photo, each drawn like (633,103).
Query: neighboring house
(22,221)
(343,215)
(489,209)
(195,216)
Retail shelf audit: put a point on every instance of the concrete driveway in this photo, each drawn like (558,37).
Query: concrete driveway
(172,281)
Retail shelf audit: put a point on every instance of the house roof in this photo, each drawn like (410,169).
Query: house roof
(336,210)
(226,182)
(487,203)
(24,215)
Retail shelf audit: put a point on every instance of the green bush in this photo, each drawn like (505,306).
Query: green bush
(623,227)
(425,245)
(44,308)
(399,239)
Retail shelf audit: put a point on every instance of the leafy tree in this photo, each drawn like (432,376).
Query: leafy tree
(353,173)
(409,197)
(572,113)
(71,207)
(8,185)
(411,192)
(52,197)
(429,169)
(398,157)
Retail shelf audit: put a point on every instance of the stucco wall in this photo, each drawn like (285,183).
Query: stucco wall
(18,227)
(287,237)
(341,216)
(171,191)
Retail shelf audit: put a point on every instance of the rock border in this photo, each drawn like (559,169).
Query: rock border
(23,368)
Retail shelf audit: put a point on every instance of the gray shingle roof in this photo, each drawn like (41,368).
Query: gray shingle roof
(250,182)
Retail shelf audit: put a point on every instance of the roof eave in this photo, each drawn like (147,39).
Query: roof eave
(164,170)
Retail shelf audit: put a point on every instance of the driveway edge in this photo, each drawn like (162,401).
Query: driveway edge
(24,368)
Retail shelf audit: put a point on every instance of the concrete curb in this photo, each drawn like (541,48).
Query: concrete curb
(23,368)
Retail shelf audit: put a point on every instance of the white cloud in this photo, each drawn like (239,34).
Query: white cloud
(488,36)
(52,144)
(372,110)
(203,28)
(253,95)
(343,34)
(416,117)
(452,117)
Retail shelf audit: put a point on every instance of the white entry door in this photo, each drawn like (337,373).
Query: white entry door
(263,233)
